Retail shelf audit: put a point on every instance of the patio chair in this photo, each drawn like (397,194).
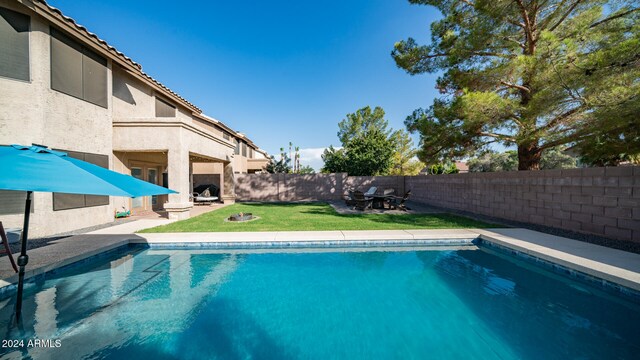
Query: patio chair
(372,191)
(205,194)
(6,249)
(362,202)
(349,200)
(397,202)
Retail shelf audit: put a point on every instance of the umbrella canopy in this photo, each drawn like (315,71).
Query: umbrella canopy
(37,168)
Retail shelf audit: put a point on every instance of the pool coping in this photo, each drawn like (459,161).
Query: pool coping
(610,265)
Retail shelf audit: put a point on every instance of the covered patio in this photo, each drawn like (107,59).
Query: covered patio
(165,153)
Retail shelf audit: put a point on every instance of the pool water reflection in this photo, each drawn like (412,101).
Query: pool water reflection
(415,303)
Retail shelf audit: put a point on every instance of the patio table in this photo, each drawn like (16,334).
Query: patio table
(378,201)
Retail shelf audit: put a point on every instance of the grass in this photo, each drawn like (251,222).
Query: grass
(312,216)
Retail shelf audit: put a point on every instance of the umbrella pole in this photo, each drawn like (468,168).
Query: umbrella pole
(23,259)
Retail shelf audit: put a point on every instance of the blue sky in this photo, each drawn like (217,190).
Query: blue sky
(278,71)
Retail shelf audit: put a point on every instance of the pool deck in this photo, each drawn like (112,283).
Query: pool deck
(613,265)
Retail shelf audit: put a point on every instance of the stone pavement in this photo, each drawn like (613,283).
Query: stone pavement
(131,227)
(61,252)
(620,267)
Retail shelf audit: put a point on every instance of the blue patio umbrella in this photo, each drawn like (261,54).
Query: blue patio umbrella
(37,168)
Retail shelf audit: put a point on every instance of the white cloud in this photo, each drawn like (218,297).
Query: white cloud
(312,157)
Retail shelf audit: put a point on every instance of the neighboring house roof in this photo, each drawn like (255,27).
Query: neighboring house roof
(462,166)
(41,7)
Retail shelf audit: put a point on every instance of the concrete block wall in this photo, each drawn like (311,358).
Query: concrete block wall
(600,201)
(291,187)
(257,187)
(311,187)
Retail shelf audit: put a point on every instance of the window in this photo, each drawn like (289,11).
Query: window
(74,201)
(225,135)
(164,109)
(250,153)
(237,151)
(13,202)
(77,71)
(244,149)
(14,44)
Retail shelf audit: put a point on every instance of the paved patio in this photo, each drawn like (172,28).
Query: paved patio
(412,208)
(127,225)
(152,219)
(195,211)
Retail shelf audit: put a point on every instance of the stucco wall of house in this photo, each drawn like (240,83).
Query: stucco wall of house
(239,164)
(213,129)
(207,168)
(132,99)
(254,164)
(31,112)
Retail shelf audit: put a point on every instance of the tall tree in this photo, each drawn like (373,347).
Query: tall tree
(611,147)
(369,153)
(442,168)
(296,161)
(306,170)
(282,166)
(335,160)
(556,158)
(367,145)
(531,73)
(360,122)
(491,161)
(404,161)
(290,145)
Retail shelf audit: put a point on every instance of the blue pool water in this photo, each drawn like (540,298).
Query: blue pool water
(409,304)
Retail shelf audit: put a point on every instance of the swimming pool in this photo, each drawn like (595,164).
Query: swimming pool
(331,303)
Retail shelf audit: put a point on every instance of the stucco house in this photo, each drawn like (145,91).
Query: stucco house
(62,86)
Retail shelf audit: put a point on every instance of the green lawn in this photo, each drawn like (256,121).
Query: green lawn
(312,216)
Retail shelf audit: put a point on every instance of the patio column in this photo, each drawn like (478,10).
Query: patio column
(228,184)
(178,205)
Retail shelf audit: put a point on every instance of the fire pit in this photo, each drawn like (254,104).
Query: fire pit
(241,217)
